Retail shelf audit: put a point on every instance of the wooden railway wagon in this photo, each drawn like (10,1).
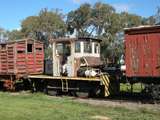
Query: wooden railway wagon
(19,59)
(142,57)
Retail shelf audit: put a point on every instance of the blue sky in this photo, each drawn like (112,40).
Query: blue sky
(12,12)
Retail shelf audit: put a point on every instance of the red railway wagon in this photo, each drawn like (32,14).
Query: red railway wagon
(142,47)
(20,58)
(142,58)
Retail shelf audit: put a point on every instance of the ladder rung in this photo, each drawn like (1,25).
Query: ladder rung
(51,87)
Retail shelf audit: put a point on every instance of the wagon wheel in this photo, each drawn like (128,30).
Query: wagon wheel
(9,85)
(52,92)
(155,93)
(82,94)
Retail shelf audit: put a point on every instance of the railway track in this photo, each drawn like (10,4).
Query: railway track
(123,97)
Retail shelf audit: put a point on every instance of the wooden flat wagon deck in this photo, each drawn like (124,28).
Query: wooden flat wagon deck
(62,78)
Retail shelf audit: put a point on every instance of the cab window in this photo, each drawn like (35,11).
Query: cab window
(87,47)
(96,48)
(78,47)
(59,48)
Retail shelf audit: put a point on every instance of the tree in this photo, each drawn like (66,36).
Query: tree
(94,21)
(44,26)
(79,20)
(101,21)
(153,20)
(30,26)
(158,16)
(130,20)
(113,45)
(102,17)
(51,23)
(90,20)
(108,25)
(149,21)
(15,34)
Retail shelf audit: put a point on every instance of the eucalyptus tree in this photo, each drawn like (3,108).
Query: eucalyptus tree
(45,25)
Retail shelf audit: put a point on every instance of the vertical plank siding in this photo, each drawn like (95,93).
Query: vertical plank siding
(142,52)
(16,60)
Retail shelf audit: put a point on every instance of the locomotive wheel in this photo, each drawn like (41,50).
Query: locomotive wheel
(96,91)
(72,93)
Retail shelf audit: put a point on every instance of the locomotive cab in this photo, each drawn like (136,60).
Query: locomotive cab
(71,54)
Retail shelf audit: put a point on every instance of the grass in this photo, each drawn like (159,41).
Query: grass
(137,87)
(42,107)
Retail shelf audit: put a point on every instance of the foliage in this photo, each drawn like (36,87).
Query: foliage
(149,21)
(137,87)
(30,26)
(79,20)
(130,20)
(15,34)
(51,23)
(102,17)
(115,39)
(99,20)
(90,20)
(44,26)
(48,52)
(157,17)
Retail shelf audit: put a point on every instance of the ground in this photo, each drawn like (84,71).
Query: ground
(27,106)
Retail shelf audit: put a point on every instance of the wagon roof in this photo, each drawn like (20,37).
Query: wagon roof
(19,40)
(75,39)
(143,29)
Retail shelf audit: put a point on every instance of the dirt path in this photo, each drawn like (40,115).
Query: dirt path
(107,102)
(119,103)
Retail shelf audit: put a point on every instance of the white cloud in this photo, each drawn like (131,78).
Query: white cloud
(80,1)
(76,1)
(122,7)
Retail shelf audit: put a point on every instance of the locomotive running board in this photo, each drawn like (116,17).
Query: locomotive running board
(62,77)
